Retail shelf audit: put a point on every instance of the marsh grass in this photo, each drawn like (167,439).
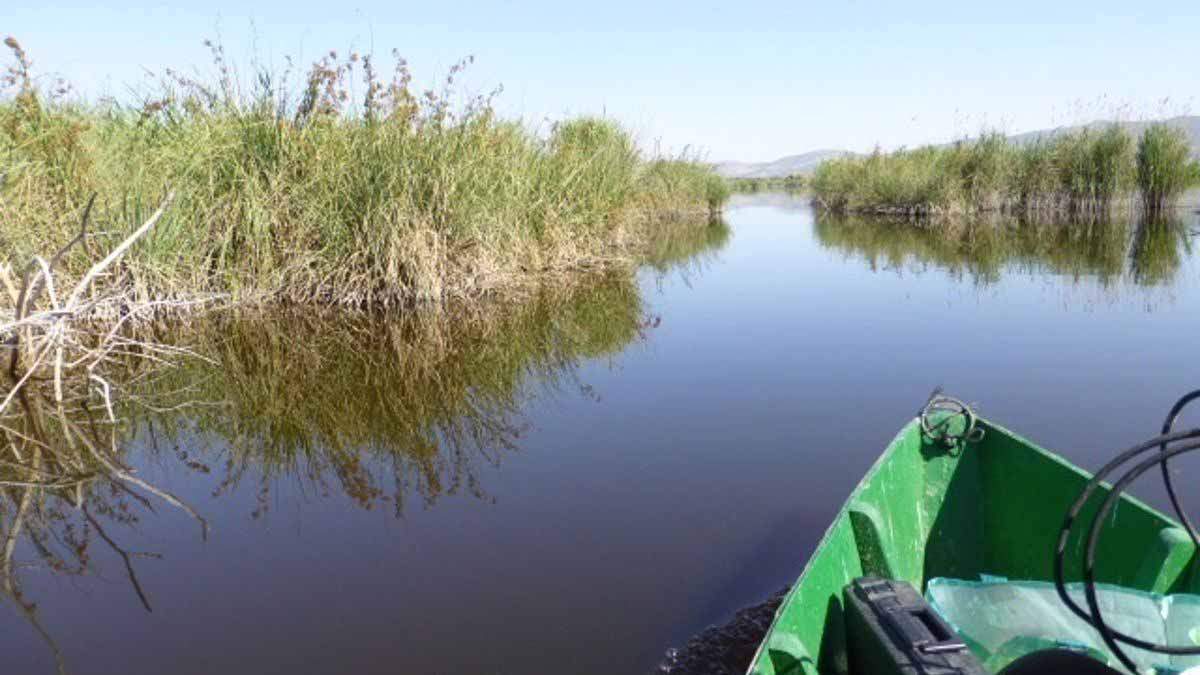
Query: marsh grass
(1164,169)
(670,182)
(1089,170)
(791,183)
(346,186)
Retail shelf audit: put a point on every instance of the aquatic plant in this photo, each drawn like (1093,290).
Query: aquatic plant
(675,180)
(390,408)
(790,183)
(1095,167)
(1163,166)
(1036,177)
(985,168)
(346,186)
(1087,170)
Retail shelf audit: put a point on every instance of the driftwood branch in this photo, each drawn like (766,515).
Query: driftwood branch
(71,361)
(119,251)
(29,294)
(39,273)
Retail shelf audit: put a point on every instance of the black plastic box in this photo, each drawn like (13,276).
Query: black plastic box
(890,629)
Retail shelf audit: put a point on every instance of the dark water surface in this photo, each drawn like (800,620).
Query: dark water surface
(575,483)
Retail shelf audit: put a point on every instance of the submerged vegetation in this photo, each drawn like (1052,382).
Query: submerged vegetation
(349,186)
(1084,171)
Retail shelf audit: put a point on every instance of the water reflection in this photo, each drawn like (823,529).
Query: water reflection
(1147,251)
(1159,247)
(65,490)
(384,410)
(683,250)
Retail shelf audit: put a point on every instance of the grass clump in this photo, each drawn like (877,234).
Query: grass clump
(346,186)
(676,181)
(1164,169)
(1088,170)
(1095,168)
(909,181)
(790,183)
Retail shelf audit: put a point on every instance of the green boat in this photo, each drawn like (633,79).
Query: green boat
(958,505)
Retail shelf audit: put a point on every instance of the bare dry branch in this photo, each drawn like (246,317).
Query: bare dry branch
(119,251)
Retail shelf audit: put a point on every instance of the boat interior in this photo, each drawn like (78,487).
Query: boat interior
(985,510)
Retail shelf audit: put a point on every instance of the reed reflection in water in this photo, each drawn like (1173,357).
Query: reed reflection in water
(1146,250)
(384,410)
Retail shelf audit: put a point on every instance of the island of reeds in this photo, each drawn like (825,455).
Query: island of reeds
(1089,170)
(791,183)
(346,185)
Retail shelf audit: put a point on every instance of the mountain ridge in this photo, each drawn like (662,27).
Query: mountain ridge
(802,163)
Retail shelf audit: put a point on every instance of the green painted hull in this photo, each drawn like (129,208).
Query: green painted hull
(993,508)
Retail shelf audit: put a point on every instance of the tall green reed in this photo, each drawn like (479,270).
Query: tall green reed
(1083,171)
(1163,166)
(346,185)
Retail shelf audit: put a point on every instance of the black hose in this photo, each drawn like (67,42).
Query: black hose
(1089,568)
(1166,474)
(1081,501)
(1094,616)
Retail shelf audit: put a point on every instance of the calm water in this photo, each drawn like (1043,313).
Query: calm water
(575,483)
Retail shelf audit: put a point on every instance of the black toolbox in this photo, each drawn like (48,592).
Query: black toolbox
(890,629)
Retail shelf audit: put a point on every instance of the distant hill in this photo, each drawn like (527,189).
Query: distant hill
(780,168)
(807,162)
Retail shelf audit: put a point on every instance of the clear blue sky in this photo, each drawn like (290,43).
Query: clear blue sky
(742,80)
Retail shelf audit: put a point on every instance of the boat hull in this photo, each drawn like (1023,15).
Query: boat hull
(990,507)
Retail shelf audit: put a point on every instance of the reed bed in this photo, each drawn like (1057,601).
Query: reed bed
(791,183)
(348,185)
(1089,170)
(1163,168)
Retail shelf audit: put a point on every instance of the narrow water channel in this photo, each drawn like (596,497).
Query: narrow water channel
(576,482)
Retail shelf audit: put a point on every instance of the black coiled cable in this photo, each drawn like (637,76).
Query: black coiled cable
(1170,444)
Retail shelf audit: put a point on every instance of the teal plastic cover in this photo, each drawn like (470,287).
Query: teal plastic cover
(1002,620)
